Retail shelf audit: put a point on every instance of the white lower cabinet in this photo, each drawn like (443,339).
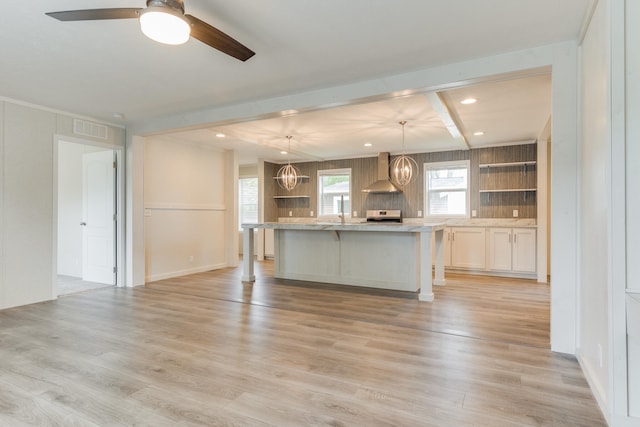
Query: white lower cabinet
(512,250)
(499,249)
(467,247)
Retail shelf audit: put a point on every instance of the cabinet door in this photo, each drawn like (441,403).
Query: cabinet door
(499,256)
(468,247)
(524,250)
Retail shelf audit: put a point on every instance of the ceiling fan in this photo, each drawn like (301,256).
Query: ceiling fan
(165,21)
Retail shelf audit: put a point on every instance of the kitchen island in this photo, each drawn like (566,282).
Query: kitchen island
(375,255)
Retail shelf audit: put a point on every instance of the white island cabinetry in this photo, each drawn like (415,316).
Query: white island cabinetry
(386,256)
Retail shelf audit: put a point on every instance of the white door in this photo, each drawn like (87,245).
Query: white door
(98,223)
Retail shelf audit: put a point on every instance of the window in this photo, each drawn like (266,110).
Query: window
(447,189)
(334,185)
(248,199)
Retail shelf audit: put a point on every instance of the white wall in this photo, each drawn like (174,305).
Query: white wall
(2,274)
(564,199)
(595,166)
(69,209)
(633,143)
(27,218)
(185,208)
(632,180)
(135,244)
(609,155)
(248,171)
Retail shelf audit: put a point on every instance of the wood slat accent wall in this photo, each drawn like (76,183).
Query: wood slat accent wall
(411,200)
(502,204)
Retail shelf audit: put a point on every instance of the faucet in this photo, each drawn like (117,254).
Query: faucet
(342,209)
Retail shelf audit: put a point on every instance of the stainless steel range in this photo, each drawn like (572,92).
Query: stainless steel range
(384,215)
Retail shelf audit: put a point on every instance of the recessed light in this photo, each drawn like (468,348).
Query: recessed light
(479,133)
(220,135)
(117,115)
(368,144)
(468,101)
(283,152)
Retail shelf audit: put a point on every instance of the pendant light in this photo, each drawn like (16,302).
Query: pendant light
(403,167)
(288,175)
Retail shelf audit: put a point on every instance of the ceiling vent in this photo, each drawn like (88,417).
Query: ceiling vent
(94,130)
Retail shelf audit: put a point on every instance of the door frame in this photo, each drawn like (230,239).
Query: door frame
(119,202)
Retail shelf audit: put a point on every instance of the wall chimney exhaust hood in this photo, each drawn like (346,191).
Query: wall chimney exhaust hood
(383,184)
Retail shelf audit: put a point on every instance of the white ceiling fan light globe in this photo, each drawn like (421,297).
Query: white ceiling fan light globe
(164,26)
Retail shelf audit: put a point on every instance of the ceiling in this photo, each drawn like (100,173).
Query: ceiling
(507,112)
(109,71)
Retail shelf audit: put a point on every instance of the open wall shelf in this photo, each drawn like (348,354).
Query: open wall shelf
(290,197)
(506,165)
(508,190)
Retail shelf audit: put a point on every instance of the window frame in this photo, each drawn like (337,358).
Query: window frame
(240,199)
(332,172)
(453,164)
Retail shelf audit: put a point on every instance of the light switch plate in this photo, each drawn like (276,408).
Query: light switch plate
(419,214)
(515,213)
(474,213)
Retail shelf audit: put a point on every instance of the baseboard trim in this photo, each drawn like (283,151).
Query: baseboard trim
(596,389)
(179,273)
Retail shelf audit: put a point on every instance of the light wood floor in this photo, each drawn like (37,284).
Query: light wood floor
(72,285)
(209,350)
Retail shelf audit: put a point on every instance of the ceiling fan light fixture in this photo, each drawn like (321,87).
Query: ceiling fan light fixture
(165,25)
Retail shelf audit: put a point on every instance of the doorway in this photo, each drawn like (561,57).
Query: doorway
(87,226)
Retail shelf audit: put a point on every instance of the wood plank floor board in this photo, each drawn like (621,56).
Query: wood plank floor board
(207,349)
(25,409)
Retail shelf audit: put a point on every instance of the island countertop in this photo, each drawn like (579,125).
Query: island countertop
(384,255)
(351,226)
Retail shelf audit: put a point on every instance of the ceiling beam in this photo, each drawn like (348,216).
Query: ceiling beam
(448,119)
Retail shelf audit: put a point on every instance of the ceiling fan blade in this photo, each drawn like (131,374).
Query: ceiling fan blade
(218,40)
(95,14)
